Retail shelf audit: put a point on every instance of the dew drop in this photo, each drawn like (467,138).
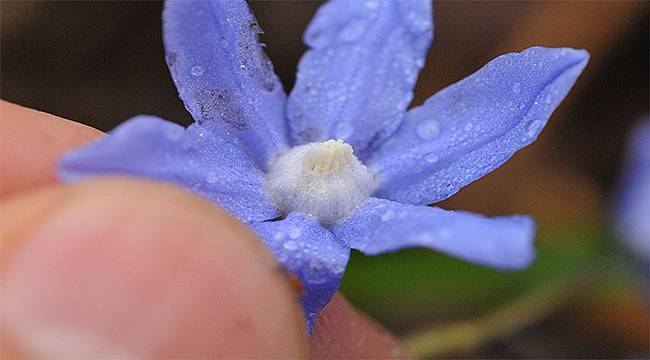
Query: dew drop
(411,76)
(197,70)
(516,88)
(315,272)
(281,257)
(338,268)
(431,158)
(290,245)
(548,99)
(534,128)
(294,232)
(428,130)
(342,130)
(468,126)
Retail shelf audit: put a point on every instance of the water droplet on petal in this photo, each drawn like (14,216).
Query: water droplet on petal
(548,99)
(281,257)
(411,76)
(294,232)
(338,268)
(468,126)
(428,129)
(290,245)
(197,70)
(516,88)
(431,158)
(534,128)
(315,272)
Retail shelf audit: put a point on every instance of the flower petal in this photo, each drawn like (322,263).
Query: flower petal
(472,127)
(356,80)
(194,158)
(633,207)
(310,252)
(381,226)
(222,75)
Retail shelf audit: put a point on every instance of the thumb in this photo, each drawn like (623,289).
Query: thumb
(124,268)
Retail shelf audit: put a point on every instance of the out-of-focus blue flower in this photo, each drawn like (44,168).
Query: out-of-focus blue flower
(264,156)
(633,207)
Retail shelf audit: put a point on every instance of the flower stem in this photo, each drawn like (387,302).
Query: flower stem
(524,310)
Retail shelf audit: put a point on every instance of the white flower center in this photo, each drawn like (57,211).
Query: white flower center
(323,179)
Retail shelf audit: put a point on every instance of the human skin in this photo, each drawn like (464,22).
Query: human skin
(120,266)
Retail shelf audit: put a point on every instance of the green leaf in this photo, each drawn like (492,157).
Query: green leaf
(416,287)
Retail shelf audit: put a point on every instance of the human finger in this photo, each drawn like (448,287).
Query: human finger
(342,332)
(32,142)
(123,268)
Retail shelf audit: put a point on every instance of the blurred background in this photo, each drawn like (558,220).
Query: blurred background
(100,63)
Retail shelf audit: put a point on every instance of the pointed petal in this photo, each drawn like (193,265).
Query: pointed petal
(310,252)
(356,80)
(222,75)
(192,158)
(472,127)
(381,226)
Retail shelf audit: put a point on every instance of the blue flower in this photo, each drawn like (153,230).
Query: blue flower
(272,161)
(633,207)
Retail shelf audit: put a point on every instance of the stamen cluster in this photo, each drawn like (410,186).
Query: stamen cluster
(323,179)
